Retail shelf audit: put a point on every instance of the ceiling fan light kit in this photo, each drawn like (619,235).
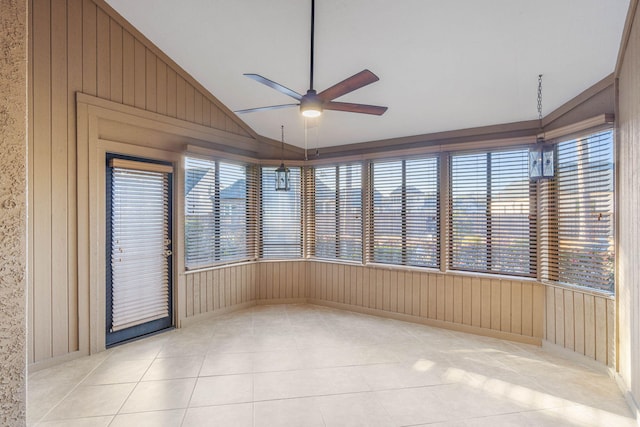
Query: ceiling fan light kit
(312,104)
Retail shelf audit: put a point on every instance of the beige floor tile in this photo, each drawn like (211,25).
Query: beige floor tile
(222,390)
(173,368)
(279,360)
(70,372)
(147,348)
(304,383)
(579,415)
(118,371)
(159,395)
(184,347)
(170,418)
(305,365)
(411,406)
(506,420)
(42,395)
(387,376)
(79,422)
(91,400)
(227,364)
(360,409)
(472,402)
(289,412)
(238,415)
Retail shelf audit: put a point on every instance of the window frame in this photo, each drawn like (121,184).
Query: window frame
(312,235)
(489,259)
(407,215)
(247,251)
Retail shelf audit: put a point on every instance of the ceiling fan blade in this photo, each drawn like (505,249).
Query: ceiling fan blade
(350,84)
(271,107)
(355,108)
(274,85)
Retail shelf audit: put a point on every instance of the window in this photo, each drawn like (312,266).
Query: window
(280,216)
(218,217)
(492,217)
(577,214)
(338,212)
(405,222)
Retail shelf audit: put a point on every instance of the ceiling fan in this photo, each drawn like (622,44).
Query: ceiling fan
(312,103)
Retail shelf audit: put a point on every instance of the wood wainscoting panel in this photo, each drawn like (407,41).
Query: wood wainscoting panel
(501,307)
(581,321)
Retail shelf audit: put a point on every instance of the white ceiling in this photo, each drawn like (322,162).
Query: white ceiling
(443,65)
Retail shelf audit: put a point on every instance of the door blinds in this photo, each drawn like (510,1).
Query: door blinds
(280,216)
(140,234)
(337,232)
(405,220)
(576,224)
(492,213)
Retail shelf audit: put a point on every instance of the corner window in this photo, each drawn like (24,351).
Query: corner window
(577,214)
(280,216)
(217,220)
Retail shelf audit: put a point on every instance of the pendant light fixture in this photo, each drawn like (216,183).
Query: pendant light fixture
(282,173)
(541,155)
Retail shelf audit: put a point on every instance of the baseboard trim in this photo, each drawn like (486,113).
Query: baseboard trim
(628,395)
(430,322)
(210,314)
(282,301)
(54,361)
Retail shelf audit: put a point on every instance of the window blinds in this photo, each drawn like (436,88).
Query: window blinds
(140,235)
(221,212)
(337,232)
(492,213)
(280,216)
(577,214)
(405,222)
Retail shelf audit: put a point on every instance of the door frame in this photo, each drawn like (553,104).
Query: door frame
(104,126)
(150,327)
(98,219)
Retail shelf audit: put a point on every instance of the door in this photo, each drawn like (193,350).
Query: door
(139,257)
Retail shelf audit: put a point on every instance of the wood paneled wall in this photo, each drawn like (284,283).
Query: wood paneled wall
(83,46)
(582,322)
(281,281)
(507,308)
(219,289)
(628,180)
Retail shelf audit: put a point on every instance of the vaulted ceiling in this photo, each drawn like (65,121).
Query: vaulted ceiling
(443,65)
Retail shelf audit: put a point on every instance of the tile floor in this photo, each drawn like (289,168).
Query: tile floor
(304,365)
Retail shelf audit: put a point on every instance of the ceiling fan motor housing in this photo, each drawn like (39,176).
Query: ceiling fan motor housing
(311,104)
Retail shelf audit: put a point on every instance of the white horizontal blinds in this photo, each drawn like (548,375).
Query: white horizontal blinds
(233,242)
(405,220)
(387,219)
(140,233)
(201,221)
(338,212)
(220,213)
(280,216)
(578,208)
(492,213)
